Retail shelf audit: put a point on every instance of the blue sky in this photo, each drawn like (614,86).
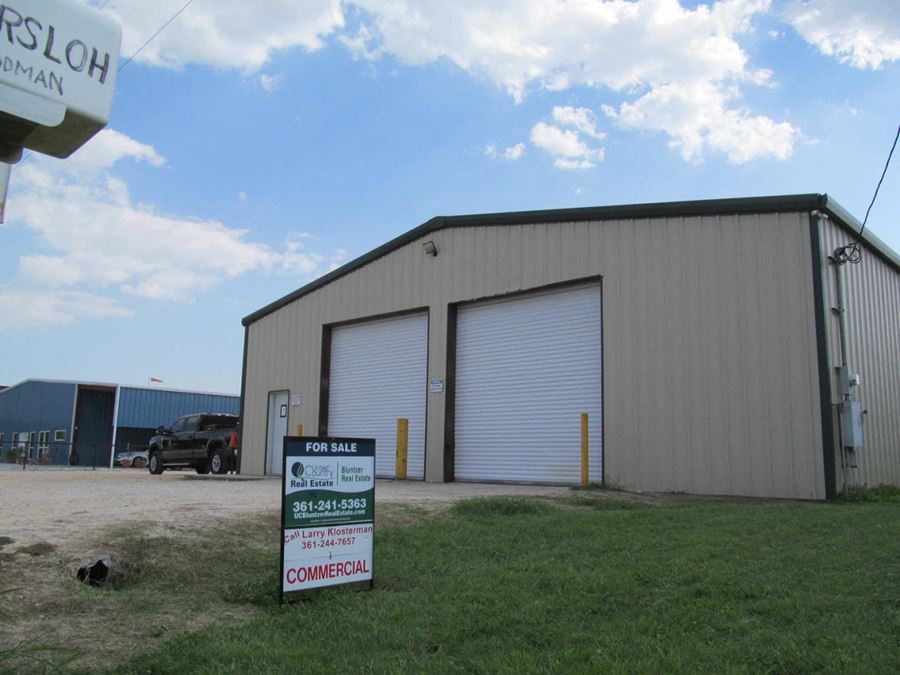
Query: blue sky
(255,146)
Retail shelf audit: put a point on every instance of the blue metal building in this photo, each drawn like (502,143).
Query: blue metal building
(88,423)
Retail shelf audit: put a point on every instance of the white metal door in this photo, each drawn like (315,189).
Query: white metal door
(379,374)
(277,430)
(526,368)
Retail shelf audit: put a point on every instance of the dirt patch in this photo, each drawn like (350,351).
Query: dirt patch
(59,507)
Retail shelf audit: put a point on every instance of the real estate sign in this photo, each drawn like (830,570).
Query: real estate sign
(327,513)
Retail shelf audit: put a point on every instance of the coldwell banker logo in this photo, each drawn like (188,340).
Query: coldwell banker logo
(312,475)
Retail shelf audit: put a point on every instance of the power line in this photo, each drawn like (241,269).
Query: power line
(851,252)
(878,187)
(152,37)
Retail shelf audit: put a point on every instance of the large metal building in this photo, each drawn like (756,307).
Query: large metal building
(703,339)
(88,423)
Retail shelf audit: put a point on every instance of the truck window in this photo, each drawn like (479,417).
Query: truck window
(211,422)
(192,423)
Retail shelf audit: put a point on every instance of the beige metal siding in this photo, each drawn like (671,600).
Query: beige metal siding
(872,297)
(710,381)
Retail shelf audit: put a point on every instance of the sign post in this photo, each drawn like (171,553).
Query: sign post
(327,514)
(4,186)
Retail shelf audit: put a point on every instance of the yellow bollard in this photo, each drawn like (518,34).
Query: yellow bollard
(299,429)
(402,446)
(584,449)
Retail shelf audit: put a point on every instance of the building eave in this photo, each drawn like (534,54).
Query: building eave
(684,209)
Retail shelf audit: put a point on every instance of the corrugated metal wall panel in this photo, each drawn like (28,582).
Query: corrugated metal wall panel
(872,297)
(696,312)
(526,368)
(379,374)
(150,408)
(36,406)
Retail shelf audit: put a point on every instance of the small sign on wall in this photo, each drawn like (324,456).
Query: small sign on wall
(437,386)
(295,399)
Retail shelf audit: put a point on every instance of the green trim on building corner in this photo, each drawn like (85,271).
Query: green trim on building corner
(825,404)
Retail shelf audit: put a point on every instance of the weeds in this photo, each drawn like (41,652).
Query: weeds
(500,506)
(865,493)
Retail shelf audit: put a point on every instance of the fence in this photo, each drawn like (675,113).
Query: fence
(85,455)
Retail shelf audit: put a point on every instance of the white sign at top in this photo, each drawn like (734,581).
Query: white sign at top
(58,62)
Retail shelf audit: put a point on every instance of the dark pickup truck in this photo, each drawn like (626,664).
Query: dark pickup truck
(205,442)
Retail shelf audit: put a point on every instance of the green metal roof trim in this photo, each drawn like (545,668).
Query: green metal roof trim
(706,207)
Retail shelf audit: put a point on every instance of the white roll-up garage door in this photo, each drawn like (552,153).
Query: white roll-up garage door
(526,368)
(378,374)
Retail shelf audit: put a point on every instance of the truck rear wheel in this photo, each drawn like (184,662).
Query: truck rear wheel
(217,462)
(202,467)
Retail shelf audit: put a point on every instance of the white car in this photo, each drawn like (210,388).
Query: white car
(137,459)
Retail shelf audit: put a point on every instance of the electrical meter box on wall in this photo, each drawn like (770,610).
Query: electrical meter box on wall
(852,416)
(58,61)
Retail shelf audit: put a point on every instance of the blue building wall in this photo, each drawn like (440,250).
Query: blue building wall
(38,406)
(151,408)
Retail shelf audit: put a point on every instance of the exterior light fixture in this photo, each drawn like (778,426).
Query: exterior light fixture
(430,248)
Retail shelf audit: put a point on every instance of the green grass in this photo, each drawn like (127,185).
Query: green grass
(515,585)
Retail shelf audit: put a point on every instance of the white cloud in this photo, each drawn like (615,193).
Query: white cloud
(510,154)
(566,146)
(224,33)
(632,47)
(296,259)
(514,152)
(98,238)
(270,83)
(580,118)
(519,44)
(28,308)
(104,150)
(863,33)
(641,48)
(696,116)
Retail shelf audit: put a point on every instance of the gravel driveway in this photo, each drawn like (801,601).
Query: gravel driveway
(59,505)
